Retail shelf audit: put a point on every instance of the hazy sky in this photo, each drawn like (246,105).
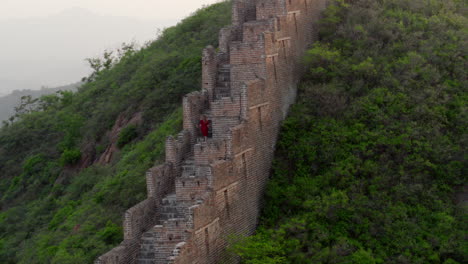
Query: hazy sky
(45,42)
(143,9)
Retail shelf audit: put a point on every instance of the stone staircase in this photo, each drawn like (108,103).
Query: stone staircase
(208,190)
(223,88)
(192,185)
(157,244)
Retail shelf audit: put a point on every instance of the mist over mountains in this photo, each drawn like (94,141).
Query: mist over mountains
(8,102)
(51,51)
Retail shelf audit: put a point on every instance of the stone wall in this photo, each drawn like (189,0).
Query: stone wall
(141,217)
(209,191)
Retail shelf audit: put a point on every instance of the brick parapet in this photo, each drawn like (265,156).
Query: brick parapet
(194,104)
(160,181)
(139,218)
(126,252)
(243,11)
(210,62)
(267,9)
(210,151)
(217,186)
(178,149)
(228,35)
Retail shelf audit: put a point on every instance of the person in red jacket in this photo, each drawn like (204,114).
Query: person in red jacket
(204,125)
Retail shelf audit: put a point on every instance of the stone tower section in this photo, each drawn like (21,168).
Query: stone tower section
(207,191)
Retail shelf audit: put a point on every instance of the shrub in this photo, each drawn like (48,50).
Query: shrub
(127,134)
(70,157)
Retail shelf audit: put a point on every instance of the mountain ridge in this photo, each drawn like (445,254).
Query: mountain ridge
(9,101)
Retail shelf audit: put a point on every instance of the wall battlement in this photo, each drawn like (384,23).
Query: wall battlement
(207,191)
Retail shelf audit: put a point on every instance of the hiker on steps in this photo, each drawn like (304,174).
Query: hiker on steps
(204,125)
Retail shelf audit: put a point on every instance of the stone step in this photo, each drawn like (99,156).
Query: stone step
(147,236)
(169,214)
(223,88)
(223,92)
(147,255)
(151,251)
(188,169)
(223,84)
(170,200)
(145,261)
(225,66)
(165,216)
(147,252)
(168,209)
(223,78)
(190,161)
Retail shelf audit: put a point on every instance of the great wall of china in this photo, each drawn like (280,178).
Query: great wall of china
(207,191)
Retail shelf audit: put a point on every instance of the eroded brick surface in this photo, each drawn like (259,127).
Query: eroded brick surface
(208,191)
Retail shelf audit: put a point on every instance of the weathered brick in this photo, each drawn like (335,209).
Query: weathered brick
(207,191)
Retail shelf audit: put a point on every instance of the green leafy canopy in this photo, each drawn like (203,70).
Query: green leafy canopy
(371,156)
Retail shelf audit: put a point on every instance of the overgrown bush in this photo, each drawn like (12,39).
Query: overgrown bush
(127,134)
(70,156)
(371,156)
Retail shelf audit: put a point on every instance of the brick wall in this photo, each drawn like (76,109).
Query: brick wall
(209,191)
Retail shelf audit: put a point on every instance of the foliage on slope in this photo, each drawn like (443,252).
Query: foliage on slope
(10,101)
(370,158)
(52,209)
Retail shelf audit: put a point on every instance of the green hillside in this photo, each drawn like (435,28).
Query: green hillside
(10,101)
(58,204)
(371,157)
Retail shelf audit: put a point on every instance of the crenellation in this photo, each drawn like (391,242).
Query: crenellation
(226,198)
(241,138)
(139,218)
(267,9)
(160,181)
(177,150)
(223,174)
(253,30)
(292,5)
(226,36)
(204,214)
(256,92)
(194,104)
(126,252)
(243,11)
(209,70)
(209,190)
(282,27)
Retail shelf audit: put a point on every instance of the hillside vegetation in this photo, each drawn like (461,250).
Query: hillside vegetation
(370,158)
(58,203)
(9,102)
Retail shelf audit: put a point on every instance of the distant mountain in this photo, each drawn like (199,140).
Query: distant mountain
(10,101)
(51,50)
(13,85)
